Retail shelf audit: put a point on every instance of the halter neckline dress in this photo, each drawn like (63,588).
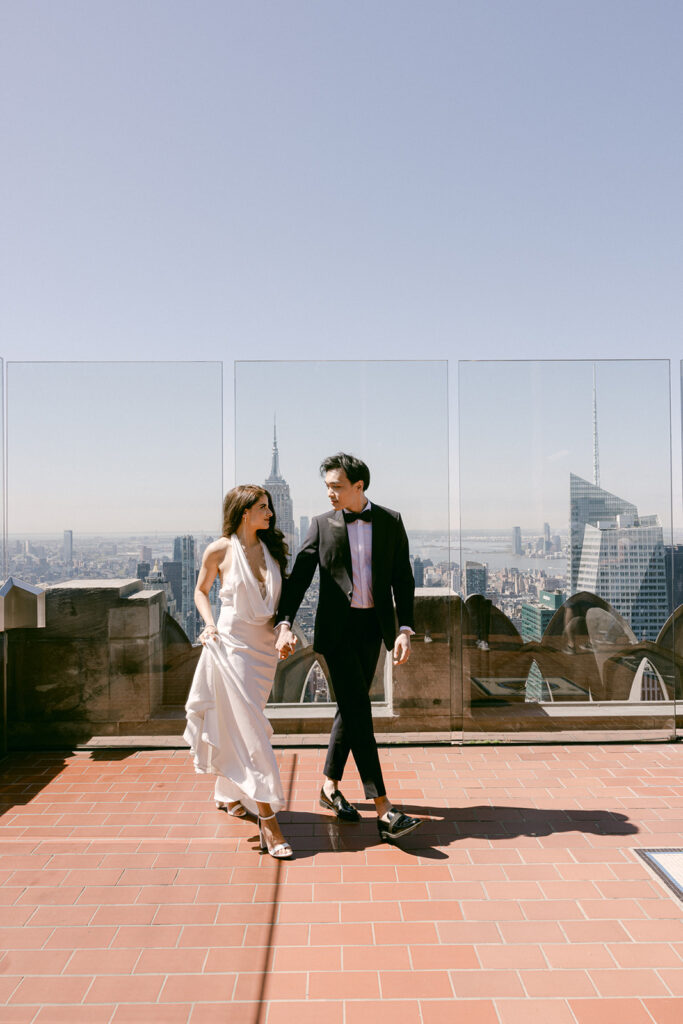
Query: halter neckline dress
(227,729)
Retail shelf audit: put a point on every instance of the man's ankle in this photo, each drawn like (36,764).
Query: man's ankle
(383,807)
(329,786)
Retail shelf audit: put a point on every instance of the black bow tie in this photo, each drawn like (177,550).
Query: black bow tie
(366,516)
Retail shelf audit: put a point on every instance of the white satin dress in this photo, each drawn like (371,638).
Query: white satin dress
(227,729)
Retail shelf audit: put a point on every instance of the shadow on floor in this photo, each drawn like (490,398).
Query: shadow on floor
(24,773)
(311,834)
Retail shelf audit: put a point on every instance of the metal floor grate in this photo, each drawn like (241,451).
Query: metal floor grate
(667,865)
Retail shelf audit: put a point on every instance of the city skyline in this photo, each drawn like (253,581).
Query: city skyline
(642,588)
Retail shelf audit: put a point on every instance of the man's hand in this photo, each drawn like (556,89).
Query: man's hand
(286,642)
(401,649)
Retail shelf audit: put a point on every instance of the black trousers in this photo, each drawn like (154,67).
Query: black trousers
(352,667)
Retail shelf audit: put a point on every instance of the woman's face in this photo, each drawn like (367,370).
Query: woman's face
(258,516)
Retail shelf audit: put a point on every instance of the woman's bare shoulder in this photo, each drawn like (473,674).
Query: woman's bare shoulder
(217,549)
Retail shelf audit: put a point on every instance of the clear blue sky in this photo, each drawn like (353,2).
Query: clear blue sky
(114,447)
(295,180)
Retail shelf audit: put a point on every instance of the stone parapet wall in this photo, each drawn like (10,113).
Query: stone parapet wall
(96,664)
(426,691)
(110,661)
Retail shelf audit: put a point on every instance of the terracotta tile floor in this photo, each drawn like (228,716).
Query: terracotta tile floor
(126,897)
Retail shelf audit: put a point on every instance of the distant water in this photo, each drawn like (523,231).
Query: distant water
(494,556)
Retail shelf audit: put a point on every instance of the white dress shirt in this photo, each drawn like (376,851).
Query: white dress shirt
(360,542)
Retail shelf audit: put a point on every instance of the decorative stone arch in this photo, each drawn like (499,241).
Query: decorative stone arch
(180,659)
(583,618)
(536,689)
(624,668)
(648,684)
(316,674)
(671,634)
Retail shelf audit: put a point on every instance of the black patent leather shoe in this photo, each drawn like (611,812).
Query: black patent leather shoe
(339,805)
(397,825)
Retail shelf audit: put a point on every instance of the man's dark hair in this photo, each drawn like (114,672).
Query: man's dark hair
(354,468)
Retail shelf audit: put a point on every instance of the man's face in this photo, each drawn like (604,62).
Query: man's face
(342,493)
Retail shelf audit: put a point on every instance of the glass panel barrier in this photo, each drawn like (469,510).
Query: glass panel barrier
(567,548)
(394,416)
(114,488)
(676,573)
(3,515)
(3,457)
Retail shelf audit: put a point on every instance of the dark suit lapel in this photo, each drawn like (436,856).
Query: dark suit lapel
(340,537)
(344,531)
(379,538)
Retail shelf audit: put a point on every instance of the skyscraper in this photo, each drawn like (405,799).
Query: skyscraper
(156,580)
(516,540)
(419,572)
(588,503)
(476,578)
(547,546)
(615,553)
(183,552)
(623,561)
(68,547)
(674,575)
(173,572)
(537,614)
(282,502)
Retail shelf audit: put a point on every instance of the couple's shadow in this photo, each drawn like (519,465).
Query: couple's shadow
(315,833)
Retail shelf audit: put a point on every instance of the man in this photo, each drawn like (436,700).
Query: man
(362,552)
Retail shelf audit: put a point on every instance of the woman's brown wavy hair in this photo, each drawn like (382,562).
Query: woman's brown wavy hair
(236,502)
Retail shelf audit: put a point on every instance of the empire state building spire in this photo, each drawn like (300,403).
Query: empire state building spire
(275,467)
(282,501)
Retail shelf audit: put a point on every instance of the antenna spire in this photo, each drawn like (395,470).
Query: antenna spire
(275,467)
(596,452)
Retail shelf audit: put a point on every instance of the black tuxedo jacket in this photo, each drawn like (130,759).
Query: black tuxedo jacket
(327,546)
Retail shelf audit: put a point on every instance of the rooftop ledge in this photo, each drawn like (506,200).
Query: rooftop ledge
(109,664)
(114,584)
(290,711)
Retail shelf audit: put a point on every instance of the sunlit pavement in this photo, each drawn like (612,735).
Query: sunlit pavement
(125,896)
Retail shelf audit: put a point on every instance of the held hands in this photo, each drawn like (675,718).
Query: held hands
(401,649)
(286,642)
(208,634)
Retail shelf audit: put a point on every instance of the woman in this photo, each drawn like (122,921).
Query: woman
(226,726)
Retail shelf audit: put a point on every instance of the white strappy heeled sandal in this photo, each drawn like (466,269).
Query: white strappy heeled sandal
(280,851)
(237,810)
